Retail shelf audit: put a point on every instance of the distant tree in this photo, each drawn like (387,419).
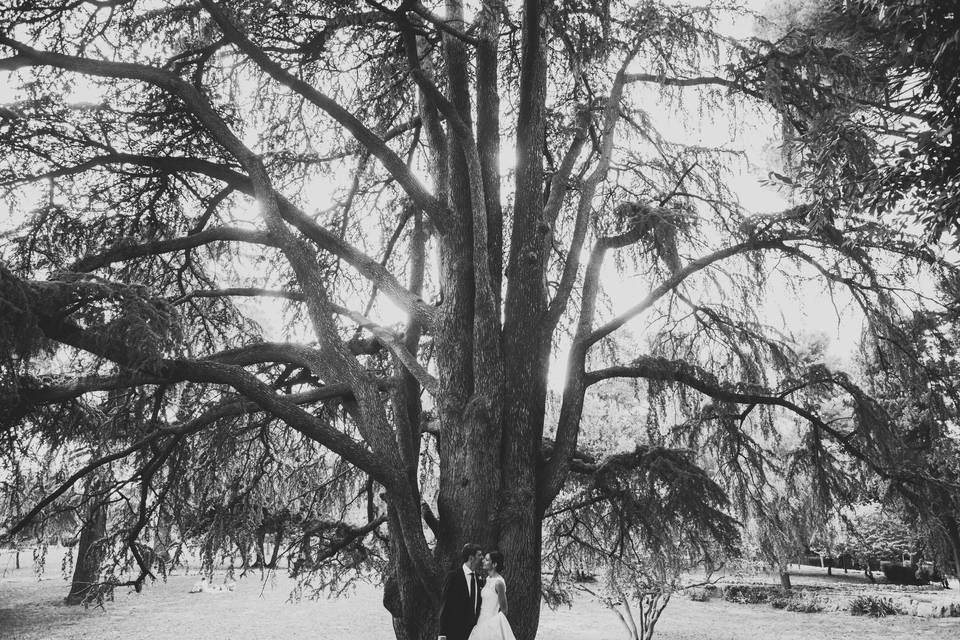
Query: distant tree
(881,129)
(91,548)
(912,370)
(783,532)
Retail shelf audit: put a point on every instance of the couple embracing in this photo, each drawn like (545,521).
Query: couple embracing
(475,598)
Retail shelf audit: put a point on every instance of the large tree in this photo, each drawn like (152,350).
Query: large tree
(353,158)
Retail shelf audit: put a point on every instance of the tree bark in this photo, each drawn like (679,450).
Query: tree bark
(785,579)
(163,539)
(404,596)
(90,553)
(275,552)
(525,345)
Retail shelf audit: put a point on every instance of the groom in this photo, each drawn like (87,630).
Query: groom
(460,600)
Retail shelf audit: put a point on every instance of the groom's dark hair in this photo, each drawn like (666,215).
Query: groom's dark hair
(468,551)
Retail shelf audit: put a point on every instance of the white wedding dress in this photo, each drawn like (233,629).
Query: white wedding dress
(492,624)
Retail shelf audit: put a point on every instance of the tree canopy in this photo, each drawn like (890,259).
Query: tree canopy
(303,269)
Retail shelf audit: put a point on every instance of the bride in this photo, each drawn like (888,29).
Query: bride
(492,623)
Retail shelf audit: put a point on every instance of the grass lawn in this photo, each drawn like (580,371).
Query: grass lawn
(259,609)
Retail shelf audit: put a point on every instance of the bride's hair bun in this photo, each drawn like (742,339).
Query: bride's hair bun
(497,559)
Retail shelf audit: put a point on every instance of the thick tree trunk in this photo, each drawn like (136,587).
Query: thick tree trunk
(90,553)
(520,542)
(469,441)
(404,596)
(525,347)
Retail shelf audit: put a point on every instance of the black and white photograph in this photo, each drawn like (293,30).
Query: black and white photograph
(479,319)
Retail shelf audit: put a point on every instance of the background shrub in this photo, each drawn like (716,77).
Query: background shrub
(874,606)
(698,595)
(804,605)
(798,602)
(751,594)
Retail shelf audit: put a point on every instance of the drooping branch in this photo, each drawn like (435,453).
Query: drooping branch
(662,369)
(127,251)
(69,333)
(285,409)
(568,424)
(386,337)
(717,81)
(223,411)
(699,81)
(72,480)
(31,393)
(166,164)
(679,276)
(344,537)
(62,392)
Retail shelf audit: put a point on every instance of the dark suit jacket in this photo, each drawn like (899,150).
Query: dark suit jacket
(457,613)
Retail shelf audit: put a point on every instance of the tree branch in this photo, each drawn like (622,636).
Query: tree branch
(323,238)
(443,25)
(679,276)
(123,251)
(255,292)
(393,164)
(486,313)
(696,82)
(611,115)
(651,368)
(245,383)
(225,410)
(337,362)
(347,535)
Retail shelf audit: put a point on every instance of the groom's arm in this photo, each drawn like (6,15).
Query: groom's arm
(447,615)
